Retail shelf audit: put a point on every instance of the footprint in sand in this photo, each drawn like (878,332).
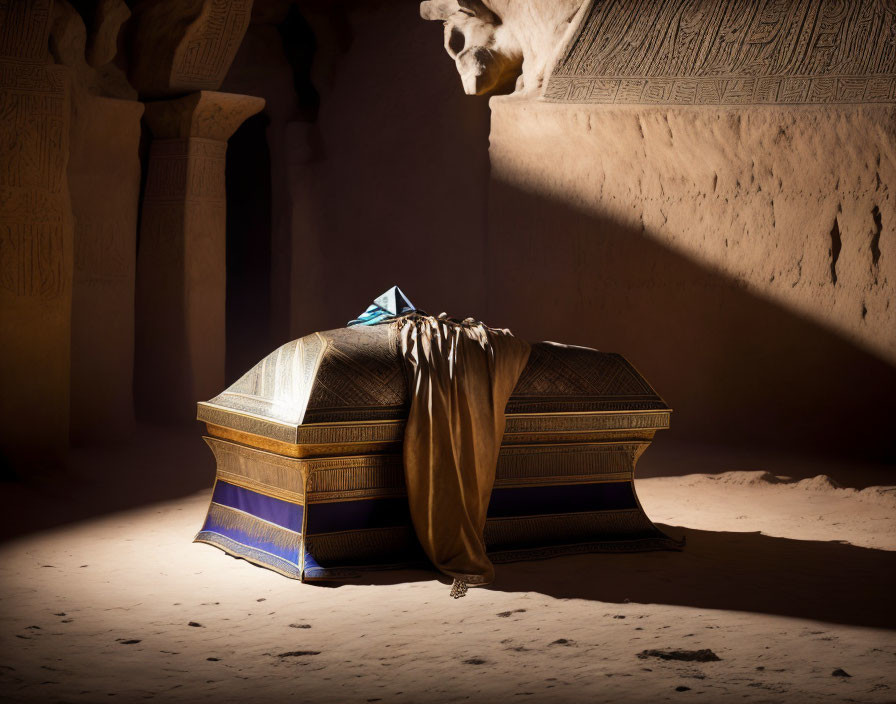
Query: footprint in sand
(507,614)
(703,655)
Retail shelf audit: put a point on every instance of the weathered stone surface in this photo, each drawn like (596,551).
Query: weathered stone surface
(70,47)
(102,45)
(104,181)
(26,25)
(35,237)
(731,52)
(181,263)
(495,43)
(737,256)
(206,115)
(181,46)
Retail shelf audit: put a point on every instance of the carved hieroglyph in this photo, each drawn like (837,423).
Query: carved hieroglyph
(35,235)
(730,52)
(181,46)
(181,259)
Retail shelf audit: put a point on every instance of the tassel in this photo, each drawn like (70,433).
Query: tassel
(458,589)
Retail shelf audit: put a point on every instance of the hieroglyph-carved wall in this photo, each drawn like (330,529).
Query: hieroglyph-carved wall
(35,234)
(180,46)
(730,52)
(33,131)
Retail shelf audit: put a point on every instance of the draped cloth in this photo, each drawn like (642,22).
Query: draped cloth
(460,375)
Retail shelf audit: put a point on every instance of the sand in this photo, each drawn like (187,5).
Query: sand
(788,584)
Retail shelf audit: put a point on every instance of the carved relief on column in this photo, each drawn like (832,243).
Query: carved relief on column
(35,236)
(185,45)
(181,264)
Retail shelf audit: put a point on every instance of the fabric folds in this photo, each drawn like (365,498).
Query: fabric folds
(460,375)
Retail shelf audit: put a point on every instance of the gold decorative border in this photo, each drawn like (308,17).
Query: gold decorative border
(364,545)
(363,437)
(307,481)
(245,552)
(265,472)
(253,526)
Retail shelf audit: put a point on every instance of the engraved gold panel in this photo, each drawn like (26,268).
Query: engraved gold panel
(345,478)
(362,546)
(264,472)
(363,437)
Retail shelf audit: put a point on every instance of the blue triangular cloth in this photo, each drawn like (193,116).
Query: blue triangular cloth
(391,304)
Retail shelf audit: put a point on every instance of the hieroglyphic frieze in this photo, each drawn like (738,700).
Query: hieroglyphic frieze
(191,168)
(24,25)
(181,46)
(34,114)
(730,52)
(210,44)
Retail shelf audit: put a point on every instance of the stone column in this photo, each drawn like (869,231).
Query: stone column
(35,239)
(104,180)
(181,259)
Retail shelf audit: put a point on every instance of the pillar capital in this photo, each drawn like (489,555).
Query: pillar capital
(205,114)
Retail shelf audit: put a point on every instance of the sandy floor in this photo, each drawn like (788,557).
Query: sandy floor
(786,583)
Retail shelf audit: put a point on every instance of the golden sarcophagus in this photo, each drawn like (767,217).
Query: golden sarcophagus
(310,480)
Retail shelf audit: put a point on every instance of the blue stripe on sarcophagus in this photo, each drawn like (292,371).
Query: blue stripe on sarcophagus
(259,528)
(361,514)
(561,498)
(371,531)
(283,513)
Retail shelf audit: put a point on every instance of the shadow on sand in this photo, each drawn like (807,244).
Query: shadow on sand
(750,572)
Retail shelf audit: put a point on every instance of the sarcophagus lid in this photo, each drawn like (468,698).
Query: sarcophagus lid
(344,392)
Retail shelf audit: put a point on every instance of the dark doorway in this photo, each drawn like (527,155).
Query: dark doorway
(248,247)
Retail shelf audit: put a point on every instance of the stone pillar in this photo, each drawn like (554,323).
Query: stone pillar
(104,180)
(35,239)
(181,260)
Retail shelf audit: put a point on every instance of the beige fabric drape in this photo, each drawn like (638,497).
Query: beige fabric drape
(460,376)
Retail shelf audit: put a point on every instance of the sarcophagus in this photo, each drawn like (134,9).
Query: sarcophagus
(310,480)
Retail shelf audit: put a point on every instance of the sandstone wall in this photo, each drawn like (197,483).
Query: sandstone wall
(742,258)
(707,189)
